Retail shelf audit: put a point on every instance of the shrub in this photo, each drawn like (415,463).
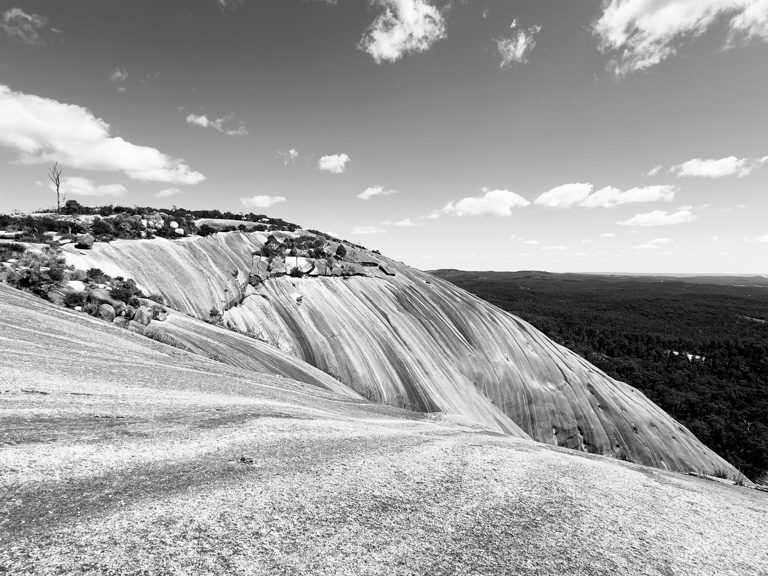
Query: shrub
(206,230)
(10,250)
(156,298)
(38,272)
(73,299)
(295,272)
(341,251)
(96,275)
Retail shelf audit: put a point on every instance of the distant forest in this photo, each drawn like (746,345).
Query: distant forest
(697,349)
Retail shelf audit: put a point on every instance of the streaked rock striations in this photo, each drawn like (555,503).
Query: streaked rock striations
(401,336)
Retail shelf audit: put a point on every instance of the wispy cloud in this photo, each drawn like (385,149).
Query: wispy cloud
(373,191)
(661,218)
(407,223)
(405,26)
(229,6)
(218,124)
(580,194)
(655,244)
(168,193)
(758,239)
(719,168)
(43,130)
(364,230)
(490,203)
(27,28)
(515,48)
(262,201)
(654,171)
(289,156)
(79,186)
(334,163)
(639,34)
(118,75)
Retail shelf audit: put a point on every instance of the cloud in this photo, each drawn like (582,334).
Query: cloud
(580,194)
(565,195)
(654,171)
(559,248)
(607,235)
(515,49)
(532,242)
(26,28)
(229,6)
(610,197)
(407,223)
(372,191)
(718,168)
(43,131)
(491,203)
(119,75)
(759,239)
(404,27)
(167,193)
(217,124)
(639,34)
(655,244)
(661,218)
(335,164)
(262,201)
(368,230)
(288,157)
(79,186)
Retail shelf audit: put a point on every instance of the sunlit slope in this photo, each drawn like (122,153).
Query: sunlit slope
(413,340)
(121,455)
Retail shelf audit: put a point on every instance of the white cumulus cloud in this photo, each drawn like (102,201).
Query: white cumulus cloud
(405,26)
(218,124)
(79,186)
(514,49)
(661,218)
(25,27)
(372,191)
(638,34)
(407,223)
(262,201)
(718,168)
(580,194)
(565,195)
(491,203)
(759,239)
(334,163)
(43,131)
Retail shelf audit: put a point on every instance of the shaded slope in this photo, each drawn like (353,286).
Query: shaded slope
(413,340)
(122,455)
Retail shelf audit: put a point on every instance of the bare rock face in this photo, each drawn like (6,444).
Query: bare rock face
(414,340)
(277,267)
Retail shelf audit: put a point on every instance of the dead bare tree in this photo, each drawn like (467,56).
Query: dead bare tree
(55,175)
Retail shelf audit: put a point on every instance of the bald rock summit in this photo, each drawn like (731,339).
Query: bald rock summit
(327,312)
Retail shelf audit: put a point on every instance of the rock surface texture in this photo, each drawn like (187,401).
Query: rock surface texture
(122,455)
(402,337)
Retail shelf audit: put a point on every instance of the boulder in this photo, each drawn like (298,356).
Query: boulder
(76,286)
(178,231)
(259,272)
(304,265)
(387,269)
(143,222)
(337,271)
(350,269)
(173,224)
(84,241)
(277,266)
(107,312)
(143,315)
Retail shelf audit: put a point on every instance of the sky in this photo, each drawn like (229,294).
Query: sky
(560,135)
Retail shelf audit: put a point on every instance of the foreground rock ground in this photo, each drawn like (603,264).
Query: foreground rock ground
(121,455)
